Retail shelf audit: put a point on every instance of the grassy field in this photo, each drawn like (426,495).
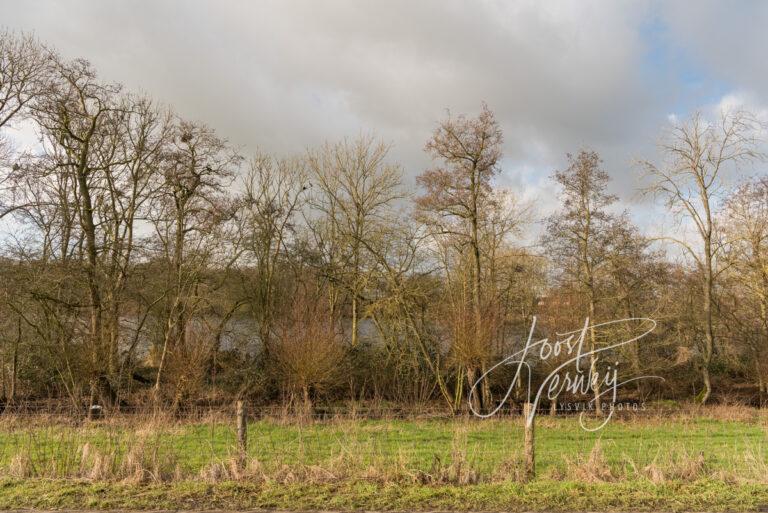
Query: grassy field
(718,456)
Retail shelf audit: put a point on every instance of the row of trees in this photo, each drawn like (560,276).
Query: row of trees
(145,258)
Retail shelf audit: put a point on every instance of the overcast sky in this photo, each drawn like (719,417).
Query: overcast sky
(284,75)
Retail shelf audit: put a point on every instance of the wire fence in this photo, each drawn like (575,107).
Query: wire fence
(373,442)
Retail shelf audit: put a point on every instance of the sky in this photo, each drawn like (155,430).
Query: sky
(282,76)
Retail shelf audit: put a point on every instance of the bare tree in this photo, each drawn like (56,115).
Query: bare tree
(400,309)
(24,72)
(274,195)
(578,236)
(80,119)
(353,190)
(88,190)
(699,155)
(458,196)
(197,168)
(746,229)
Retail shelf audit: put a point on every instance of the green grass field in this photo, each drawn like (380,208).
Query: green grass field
(672,463)
(417,444)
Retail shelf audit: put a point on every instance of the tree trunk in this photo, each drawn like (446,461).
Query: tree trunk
(709,336)
(704,394)
(178,314)
(2,377)
(354,319)
(94,291)
(113,335)
(15,363)
(486,391)
(307,402)
(458,404)
(475,397)
(593,357)
(760,384)
(161,365)
(476,300)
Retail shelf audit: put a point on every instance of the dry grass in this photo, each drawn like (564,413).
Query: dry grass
(144,463)
(150,449)
(675,464)
(678,465)
(590,469)
(143,460)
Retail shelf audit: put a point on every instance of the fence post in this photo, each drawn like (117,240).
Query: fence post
(242,433)
(530,455)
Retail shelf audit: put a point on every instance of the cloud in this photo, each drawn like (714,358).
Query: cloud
(284,75)
(727,41)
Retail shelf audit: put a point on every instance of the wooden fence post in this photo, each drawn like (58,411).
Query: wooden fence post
(530,454)
(242,433)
